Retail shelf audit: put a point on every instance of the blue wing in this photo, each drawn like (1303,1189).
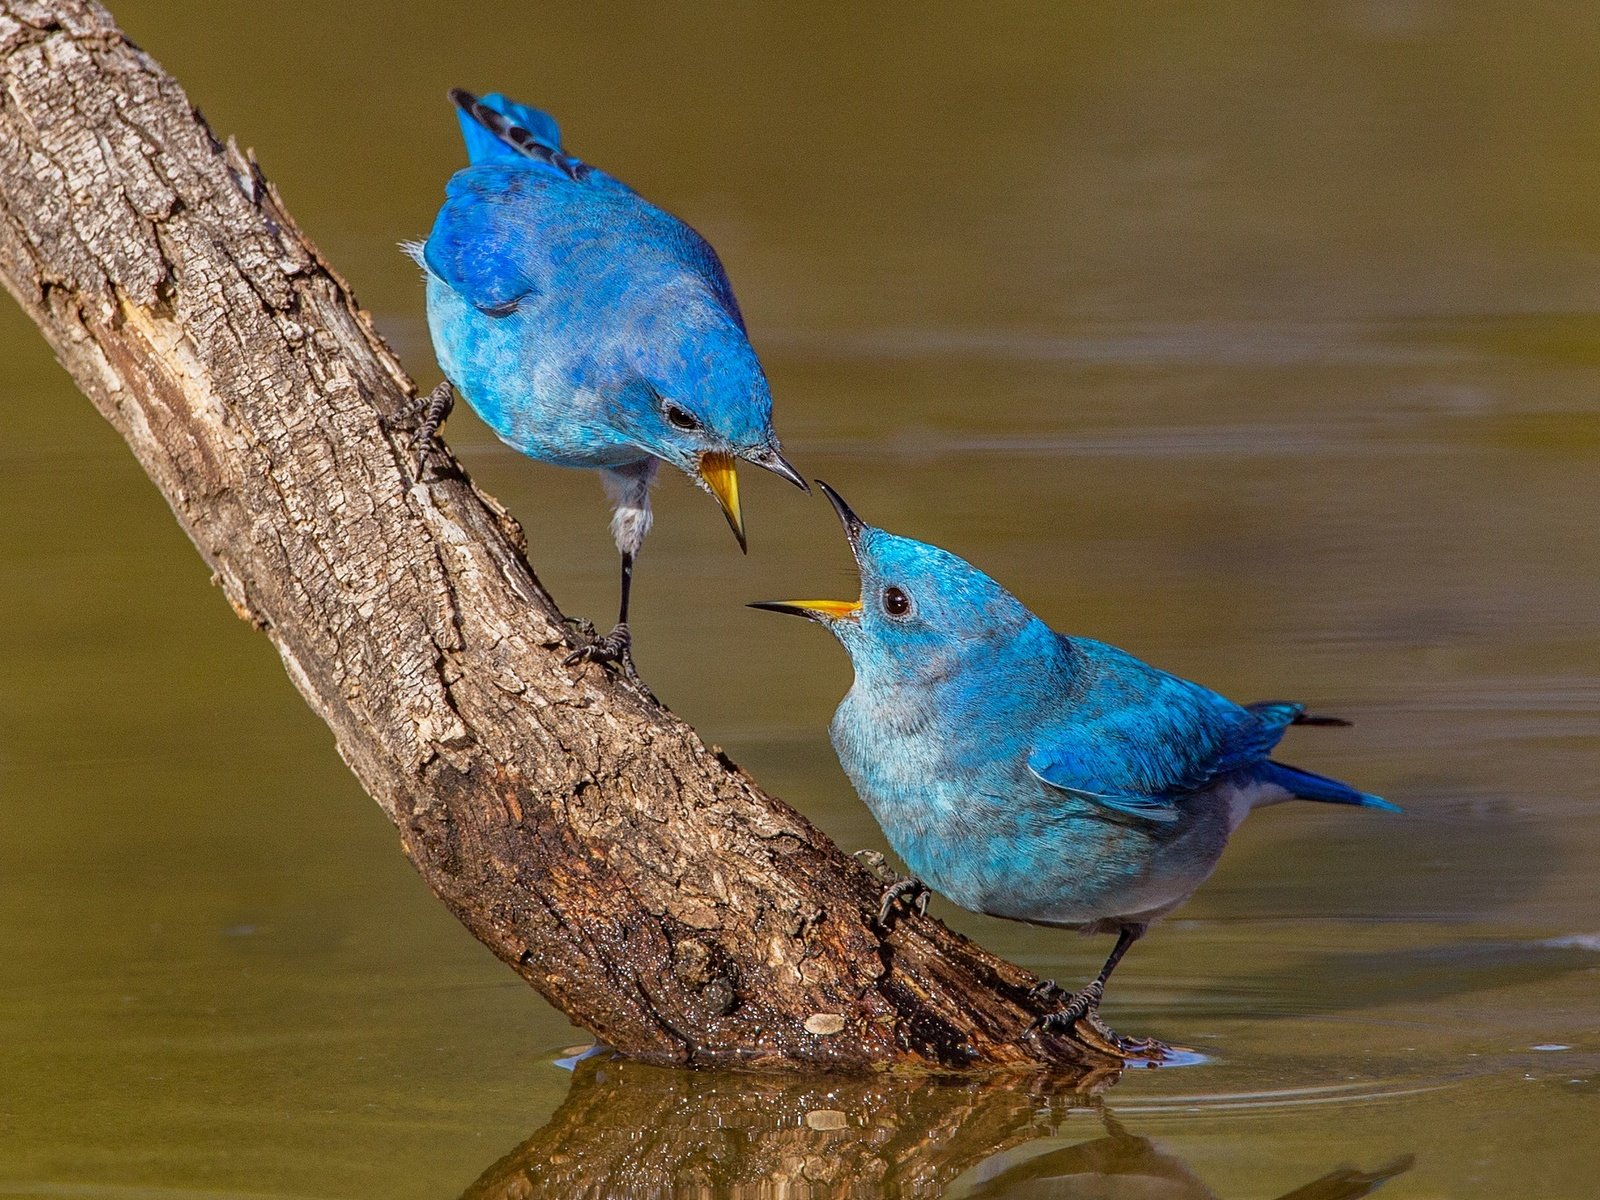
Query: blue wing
(479,244)
(515,215)
(1138,739)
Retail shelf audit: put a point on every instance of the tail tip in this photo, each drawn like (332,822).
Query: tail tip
(1379,803)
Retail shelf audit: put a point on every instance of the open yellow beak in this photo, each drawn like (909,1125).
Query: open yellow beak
(717,472)
(814,610)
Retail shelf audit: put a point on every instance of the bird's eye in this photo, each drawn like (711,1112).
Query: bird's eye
(895,602)
(681,418)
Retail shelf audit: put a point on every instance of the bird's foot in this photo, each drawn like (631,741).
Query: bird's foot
(615,648)
(1081,1015)
(1079,1006)
(902,895)
(422,419)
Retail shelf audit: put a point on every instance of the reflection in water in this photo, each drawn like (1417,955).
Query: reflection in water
(1121,1165)
(626,1130)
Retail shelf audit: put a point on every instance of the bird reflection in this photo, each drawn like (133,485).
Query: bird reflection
(626,1130)
(1121,1166)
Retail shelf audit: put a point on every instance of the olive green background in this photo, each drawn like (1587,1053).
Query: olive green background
(1261,339)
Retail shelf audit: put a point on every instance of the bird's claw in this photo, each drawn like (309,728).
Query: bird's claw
(615,648)
(902,895)
(901,899)
(1044,991)
(1083,1009)
(422,419)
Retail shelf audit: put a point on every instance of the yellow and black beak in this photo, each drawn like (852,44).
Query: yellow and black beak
(821,611)
(718,473)
(826,611)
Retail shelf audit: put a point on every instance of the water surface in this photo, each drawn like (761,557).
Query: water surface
(1263,341)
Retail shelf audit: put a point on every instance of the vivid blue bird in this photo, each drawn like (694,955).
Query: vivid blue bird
(588,328)
(1030,775)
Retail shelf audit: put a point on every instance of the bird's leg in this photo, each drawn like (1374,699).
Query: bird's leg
(902,895)
(1084,1005)
(617,646)
(423,417)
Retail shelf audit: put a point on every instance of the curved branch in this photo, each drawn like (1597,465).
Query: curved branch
(642,883)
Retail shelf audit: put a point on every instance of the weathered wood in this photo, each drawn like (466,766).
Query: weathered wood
(645,885)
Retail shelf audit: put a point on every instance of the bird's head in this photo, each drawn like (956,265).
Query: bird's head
(703,403)
(922,612)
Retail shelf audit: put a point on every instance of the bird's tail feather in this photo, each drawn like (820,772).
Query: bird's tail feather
(1307,786)
(496,128)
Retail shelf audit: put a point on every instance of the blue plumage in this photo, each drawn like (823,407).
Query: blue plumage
(589,328)
(1035,776)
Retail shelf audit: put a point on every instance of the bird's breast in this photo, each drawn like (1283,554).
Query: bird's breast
(541,392)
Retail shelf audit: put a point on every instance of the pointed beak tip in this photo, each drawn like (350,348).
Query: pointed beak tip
(770,459)
(823,611)
(780,606)
(854,526)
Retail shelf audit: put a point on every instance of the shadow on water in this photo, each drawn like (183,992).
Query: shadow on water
(1354,981)
(1124,1165)
(626,1130)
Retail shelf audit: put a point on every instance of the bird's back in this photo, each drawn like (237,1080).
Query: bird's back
(549,280)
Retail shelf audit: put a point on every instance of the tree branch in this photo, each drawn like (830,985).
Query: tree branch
(643,884)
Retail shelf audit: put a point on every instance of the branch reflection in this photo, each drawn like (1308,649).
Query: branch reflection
(627,1131)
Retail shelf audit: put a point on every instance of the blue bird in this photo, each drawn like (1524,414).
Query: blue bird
(588,328)
(1031,775)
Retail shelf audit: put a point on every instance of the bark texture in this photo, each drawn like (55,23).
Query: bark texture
(643,884)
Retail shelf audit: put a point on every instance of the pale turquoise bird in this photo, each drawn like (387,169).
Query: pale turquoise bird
(588,328)
(1030,775)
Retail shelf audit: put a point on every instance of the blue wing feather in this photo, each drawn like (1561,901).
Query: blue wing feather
(1140,739)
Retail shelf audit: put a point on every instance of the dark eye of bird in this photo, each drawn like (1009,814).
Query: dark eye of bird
(895,602)
(681,417)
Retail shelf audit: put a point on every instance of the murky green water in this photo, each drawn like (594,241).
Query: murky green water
(1264,341)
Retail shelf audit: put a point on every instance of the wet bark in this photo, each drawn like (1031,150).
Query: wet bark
(641,882)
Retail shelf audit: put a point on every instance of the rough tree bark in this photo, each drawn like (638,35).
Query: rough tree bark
(642,883)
